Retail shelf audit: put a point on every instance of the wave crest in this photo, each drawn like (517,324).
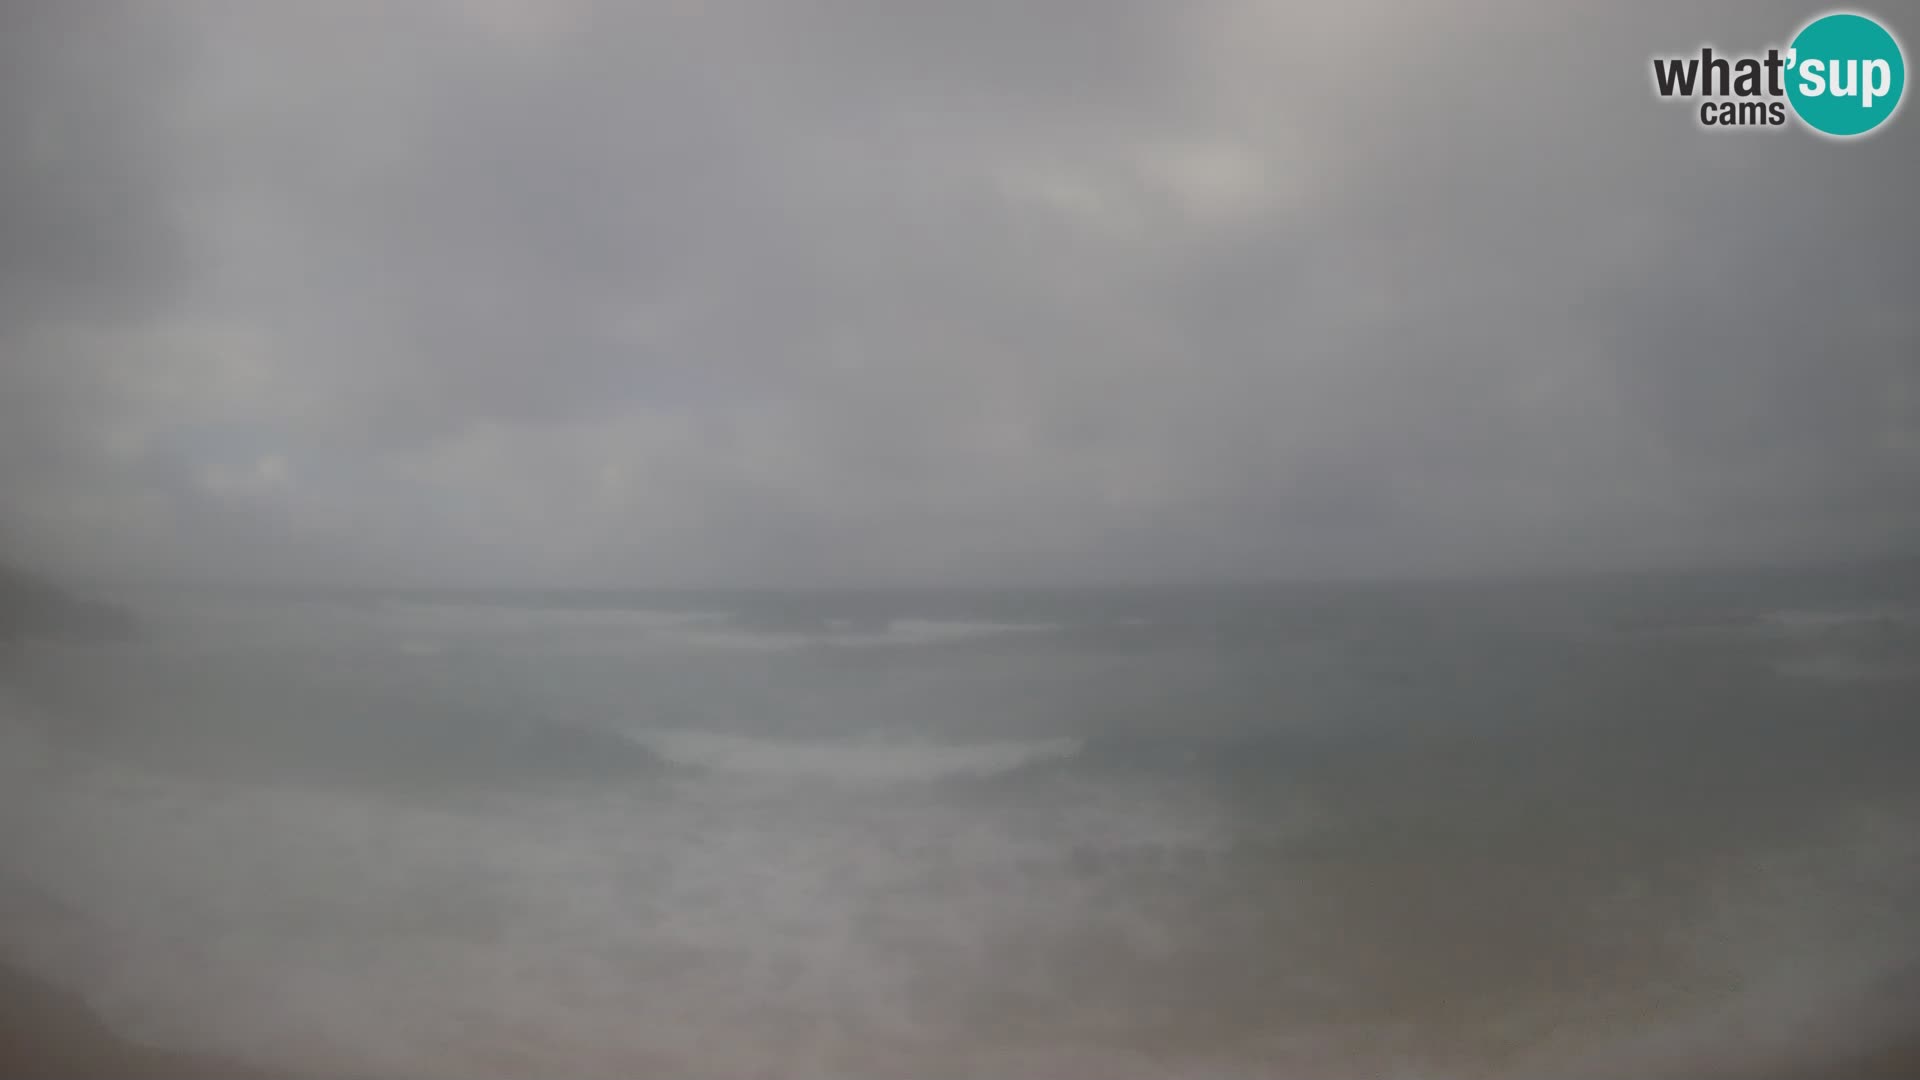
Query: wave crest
(848,761)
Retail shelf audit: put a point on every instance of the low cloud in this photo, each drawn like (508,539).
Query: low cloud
(829,293)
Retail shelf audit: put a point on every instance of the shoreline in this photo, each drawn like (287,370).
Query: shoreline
(48,1031)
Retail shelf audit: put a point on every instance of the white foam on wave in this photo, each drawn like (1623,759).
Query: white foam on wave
(711,628)
(725,635)
(497,620)
(932,631)
(851,761)
(427,629)
(1798,621)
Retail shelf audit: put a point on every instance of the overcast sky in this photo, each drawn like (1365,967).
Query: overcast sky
(533,292)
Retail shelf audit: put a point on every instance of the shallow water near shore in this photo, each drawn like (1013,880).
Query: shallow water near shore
(1554,828)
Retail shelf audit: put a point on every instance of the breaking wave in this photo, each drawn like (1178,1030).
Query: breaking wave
(1802,622)
(851,761)
(431,629)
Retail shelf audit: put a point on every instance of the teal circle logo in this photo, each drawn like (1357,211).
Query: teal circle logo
(1845,75)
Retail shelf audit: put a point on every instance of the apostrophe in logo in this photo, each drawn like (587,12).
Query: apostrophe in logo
(1846,74)
(1842,75)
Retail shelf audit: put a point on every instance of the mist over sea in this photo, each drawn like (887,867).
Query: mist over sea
(1528,829)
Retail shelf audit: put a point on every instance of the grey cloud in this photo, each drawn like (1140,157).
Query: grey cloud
(830,292)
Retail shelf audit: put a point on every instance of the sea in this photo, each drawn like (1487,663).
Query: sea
(1602,826)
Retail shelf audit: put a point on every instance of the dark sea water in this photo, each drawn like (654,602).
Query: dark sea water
(1658,825)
